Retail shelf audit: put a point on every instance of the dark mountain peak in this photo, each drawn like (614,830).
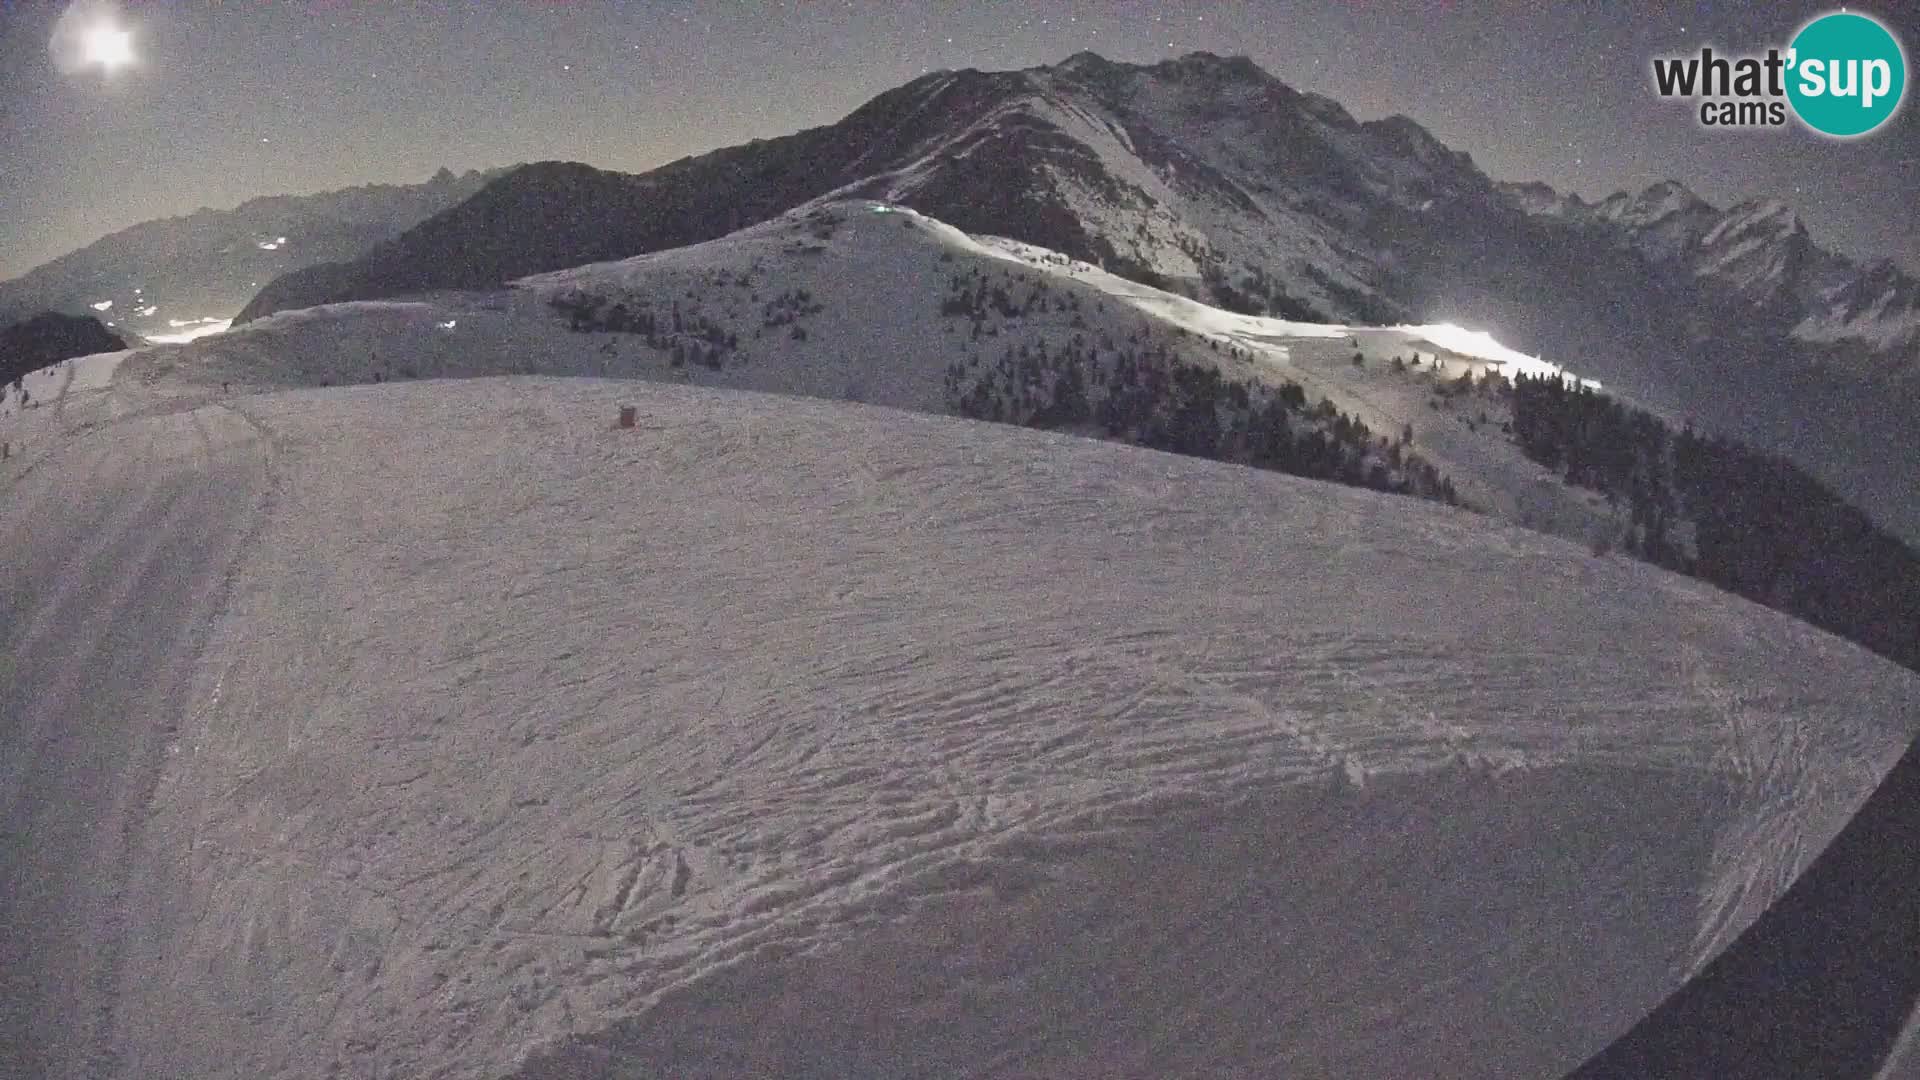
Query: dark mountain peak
(535,173)
(1883,288)
(942,99)
(1402,126)
(1089,69)
(1212,66)
(1538,197)
(1233,80)
(1404,135)
(1203,72)
(507,229)
(1670,189)
(1887,274)
(1770,222)
(1670,197)
(1086,60)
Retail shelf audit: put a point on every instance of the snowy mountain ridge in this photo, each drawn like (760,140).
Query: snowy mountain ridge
(1760,253)
(1207,176)
(1199,170)
(869,301)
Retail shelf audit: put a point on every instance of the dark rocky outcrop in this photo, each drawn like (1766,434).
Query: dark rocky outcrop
(50,337)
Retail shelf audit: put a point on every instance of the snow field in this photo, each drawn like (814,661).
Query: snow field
(575,738)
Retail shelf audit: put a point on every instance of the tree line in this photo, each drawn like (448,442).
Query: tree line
(1148,395)
(1749,522)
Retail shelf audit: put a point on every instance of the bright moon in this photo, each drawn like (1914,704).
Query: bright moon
(108,47)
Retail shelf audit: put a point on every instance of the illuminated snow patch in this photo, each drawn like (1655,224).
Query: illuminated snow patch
(101,305)
(268,245)
(1480,345)
(448,325)
(149,310)
(195,329)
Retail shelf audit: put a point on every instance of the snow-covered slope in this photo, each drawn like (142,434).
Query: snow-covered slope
(865,301)
(786,737)
(1400,384)
(116,546)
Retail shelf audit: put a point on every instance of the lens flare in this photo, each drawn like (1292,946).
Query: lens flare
(107,47)
(91,36)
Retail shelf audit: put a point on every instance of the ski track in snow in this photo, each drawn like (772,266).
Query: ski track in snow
(518,728)
(116,547)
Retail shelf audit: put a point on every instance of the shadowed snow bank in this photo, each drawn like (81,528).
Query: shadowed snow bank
(1824,983)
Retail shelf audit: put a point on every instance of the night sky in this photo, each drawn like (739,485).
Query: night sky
(231,100)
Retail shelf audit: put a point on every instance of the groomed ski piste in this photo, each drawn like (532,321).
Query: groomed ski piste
(441,727)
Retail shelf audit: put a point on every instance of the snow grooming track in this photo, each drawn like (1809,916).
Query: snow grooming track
(781,737)
(119,539)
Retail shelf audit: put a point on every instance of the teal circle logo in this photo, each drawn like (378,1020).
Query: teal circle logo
(1847,74)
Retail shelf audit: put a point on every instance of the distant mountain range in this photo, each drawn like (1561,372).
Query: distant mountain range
(1203,172)
(165,276)
(1209,176)
(1757,261)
